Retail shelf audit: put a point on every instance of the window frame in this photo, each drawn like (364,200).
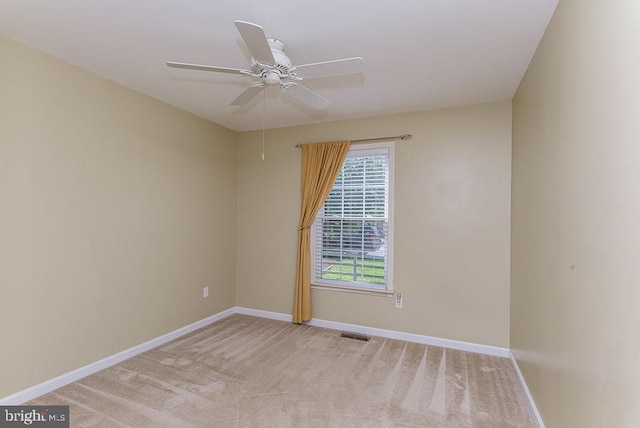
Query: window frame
(357,150)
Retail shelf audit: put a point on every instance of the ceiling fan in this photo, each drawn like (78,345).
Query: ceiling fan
(272,67)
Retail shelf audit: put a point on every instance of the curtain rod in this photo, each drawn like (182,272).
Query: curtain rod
(402,137)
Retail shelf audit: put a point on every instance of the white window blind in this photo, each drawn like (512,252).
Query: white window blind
(351,234)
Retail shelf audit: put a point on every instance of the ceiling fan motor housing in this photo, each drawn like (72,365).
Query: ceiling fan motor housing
(277,49)
(272,73)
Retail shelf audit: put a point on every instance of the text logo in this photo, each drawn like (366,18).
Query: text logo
(34,416)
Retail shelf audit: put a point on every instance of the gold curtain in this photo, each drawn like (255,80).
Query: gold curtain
(321,164)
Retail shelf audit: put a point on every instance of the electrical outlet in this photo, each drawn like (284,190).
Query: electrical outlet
(398,301)
(205,292)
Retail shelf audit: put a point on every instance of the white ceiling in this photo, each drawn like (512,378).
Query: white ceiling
(419,54)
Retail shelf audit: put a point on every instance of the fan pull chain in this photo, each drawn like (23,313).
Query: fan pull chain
(264,114)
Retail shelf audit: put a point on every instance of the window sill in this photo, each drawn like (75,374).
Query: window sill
(357,290)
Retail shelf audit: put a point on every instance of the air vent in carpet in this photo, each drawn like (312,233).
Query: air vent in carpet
(356,336)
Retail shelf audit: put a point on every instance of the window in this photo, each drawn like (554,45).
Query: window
(351,236)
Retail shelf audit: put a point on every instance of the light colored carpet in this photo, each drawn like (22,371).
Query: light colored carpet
(245,371)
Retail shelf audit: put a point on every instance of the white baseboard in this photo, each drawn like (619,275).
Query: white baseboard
(416,338)
(67,378)
(390,334)
(263,314)
(523,383)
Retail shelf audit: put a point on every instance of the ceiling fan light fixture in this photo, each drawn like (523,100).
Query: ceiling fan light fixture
(272,78)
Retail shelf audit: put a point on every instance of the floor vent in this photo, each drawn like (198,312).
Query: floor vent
(356,336)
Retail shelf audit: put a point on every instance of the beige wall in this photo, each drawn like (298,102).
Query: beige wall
(452,216)
(115,211)
(575,324)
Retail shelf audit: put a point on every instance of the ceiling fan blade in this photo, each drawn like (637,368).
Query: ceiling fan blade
(256,41)
(206,68)
(306,96)
(337,67)
(248,94)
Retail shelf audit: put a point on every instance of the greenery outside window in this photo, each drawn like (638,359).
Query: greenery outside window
(352,234)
